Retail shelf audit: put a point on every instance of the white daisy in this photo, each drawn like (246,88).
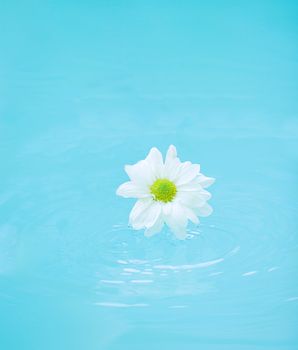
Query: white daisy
(169,192)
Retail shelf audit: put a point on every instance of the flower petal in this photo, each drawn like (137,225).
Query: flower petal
(193,185)
(172,163)
(171,153)
(167,208)
(171,170)
(187,172)
(191,199)
(205,181)
(156,228)
(205,210)
(139,210)
(144,213)
(155,160)
(179,231)
(205,194)
(131,190)
(191,215)
(177,220)
(140,173)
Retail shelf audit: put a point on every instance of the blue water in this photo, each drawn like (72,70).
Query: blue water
(88,86)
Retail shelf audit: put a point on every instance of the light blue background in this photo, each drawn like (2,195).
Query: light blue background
(88,86)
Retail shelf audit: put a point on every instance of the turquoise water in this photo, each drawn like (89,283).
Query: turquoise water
(88,86)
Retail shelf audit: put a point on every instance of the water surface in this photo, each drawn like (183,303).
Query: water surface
(87,87)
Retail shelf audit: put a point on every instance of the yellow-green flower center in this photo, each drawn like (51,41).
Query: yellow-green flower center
(163,190)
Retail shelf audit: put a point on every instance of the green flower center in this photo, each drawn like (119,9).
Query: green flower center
(163,190)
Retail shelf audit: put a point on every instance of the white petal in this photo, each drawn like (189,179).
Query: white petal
(140,173)
(187,173)
(171,169)
(206,210)
(167,208)
(191,199)
(179,231)
(205,194)
(155,160)
(178,213)
(171,153)
(191,215)
(144,213)
(193,185)
(131,190)
(172,164)
(156,228)
(153,214)
(177,220)
(139,210)
(205,181)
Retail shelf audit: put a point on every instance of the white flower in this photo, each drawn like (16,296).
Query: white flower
(168,192)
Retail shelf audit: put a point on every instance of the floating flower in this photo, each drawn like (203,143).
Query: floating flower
(169,192)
